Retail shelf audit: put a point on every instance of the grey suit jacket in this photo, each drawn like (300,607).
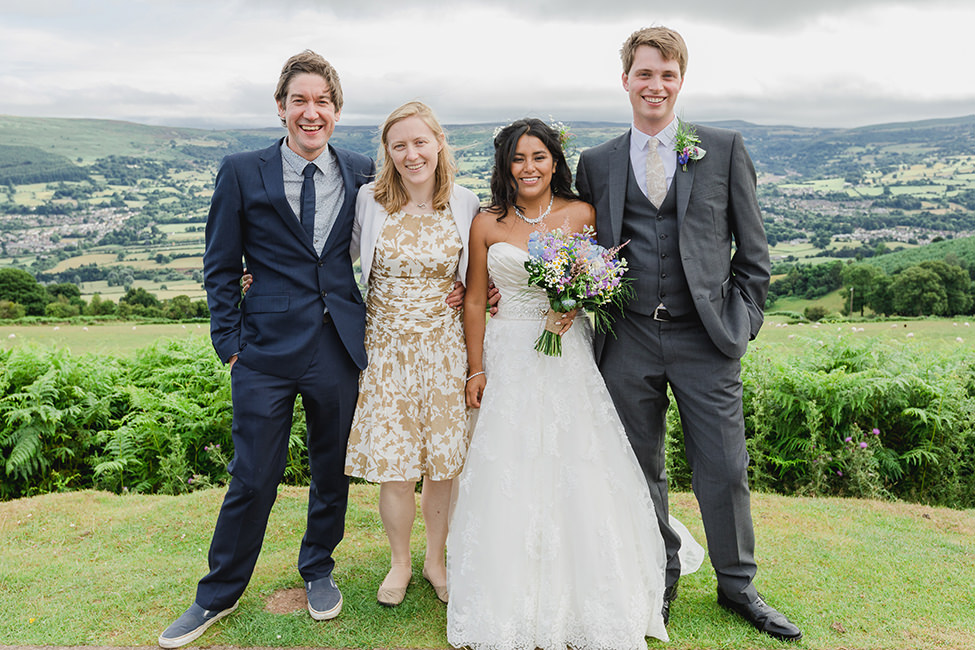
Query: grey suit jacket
(716,203)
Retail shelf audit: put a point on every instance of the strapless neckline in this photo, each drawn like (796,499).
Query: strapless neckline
(515,246)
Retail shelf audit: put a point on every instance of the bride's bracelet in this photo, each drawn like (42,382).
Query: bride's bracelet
(474,375)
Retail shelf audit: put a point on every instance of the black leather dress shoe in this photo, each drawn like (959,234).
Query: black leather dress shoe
(670,595)
(763,617)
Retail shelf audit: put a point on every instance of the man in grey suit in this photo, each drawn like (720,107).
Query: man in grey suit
(699,301)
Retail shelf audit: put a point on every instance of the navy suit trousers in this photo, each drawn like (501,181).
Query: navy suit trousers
(263,406)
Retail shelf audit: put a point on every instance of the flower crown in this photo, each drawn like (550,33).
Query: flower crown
(566,138)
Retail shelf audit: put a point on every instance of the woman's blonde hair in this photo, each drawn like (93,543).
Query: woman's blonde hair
(389,190)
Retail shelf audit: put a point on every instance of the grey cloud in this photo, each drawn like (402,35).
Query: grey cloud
(104,101)
(788,110)
(745,13)
(100,97)
(842,112)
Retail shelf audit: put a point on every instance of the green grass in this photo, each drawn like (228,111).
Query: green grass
(833,301)
(822,185)
(114,338)
(935,334)
(801,251)
(92,568)
(125,338)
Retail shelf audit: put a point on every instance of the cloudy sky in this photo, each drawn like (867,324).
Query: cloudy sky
(213,63)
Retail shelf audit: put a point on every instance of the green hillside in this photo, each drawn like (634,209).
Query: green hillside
(21,165)
(961,250)
(108,204)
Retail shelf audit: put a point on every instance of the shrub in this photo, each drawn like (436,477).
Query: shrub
(815,313)
(11,310)
(61,309)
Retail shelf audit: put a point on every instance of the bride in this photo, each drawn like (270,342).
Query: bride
(553,540)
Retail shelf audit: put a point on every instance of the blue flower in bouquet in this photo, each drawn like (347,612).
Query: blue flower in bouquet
(535,244)
(575,272)
(594,252)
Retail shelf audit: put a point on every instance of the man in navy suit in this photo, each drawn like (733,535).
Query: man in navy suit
(288,210)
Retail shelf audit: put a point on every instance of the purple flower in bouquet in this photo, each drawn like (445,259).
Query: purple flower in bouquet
(575,272)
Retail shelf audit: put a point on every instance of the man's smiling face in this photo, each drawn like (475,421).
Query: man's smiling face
(309,114)
(653,84)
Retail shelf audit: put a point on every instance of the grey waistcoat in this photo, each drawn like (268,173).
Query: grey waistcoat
(653,254)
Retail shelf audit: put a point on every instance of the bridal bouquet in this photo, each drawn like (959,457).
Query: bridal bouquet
(575,272)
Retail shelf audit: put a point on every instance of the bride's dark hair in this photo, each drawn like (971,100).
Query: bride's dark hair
(504,189)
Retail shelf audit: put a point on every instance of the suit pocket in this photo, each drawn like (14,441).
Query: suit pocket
(720,293)
(265,304)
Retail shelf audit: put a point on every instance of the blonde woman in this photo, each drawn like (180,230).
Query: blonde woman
(411,233)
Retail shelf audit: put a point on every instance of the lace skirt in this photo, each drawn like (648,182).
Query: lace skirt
(553,540)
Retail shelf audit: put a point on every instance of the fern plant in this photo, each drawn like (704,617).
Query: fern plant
(51,406)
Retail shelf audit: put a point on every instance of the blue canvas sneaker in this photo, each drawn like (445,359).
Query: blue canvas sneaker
(324,599)
(191,625)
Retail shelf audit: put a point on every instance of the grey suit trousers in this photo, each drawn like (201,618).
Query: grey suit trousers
(638,365)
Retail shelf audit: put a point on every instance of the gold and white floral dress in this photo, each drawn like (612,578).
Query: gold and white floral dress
(411,420)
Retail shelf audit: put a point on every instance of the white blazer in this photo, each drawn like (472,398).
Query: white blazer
(370,218)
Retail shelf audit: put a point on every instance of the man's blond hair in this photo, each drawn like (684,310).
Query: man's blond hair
(669,42)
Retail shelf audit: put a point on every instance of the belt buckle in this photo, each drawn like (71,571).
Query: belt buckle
(661,314)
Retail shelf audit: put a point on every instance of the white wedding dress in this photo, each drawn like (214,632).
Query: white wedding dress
(553,540)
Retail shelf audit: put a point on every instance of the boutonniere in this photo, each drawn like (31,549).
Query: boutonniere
(685,144)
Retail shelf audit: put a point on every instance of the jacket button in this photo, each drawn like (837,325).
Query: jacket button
(321,264)
(324,293)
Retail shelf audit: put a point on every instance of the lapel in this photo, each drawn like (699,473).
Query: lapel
(619,170)
(348,199)
(273,178)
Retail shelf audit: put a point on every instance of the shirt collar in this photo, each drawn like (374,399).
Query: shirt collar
(667,135)
(297,163)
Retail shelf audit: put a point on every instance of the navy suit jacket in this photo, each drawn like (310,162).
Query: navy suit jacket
(277,327)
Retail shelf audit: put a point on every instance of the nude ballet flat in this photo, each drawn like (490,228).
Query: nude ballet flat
(392,596)
(441,590)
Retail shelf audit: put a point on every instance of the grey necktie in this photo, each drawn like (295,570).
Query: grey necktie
(656,176)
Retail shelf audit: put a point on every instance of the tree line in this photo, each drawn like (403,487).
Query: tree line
(929,288)
(21,295)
